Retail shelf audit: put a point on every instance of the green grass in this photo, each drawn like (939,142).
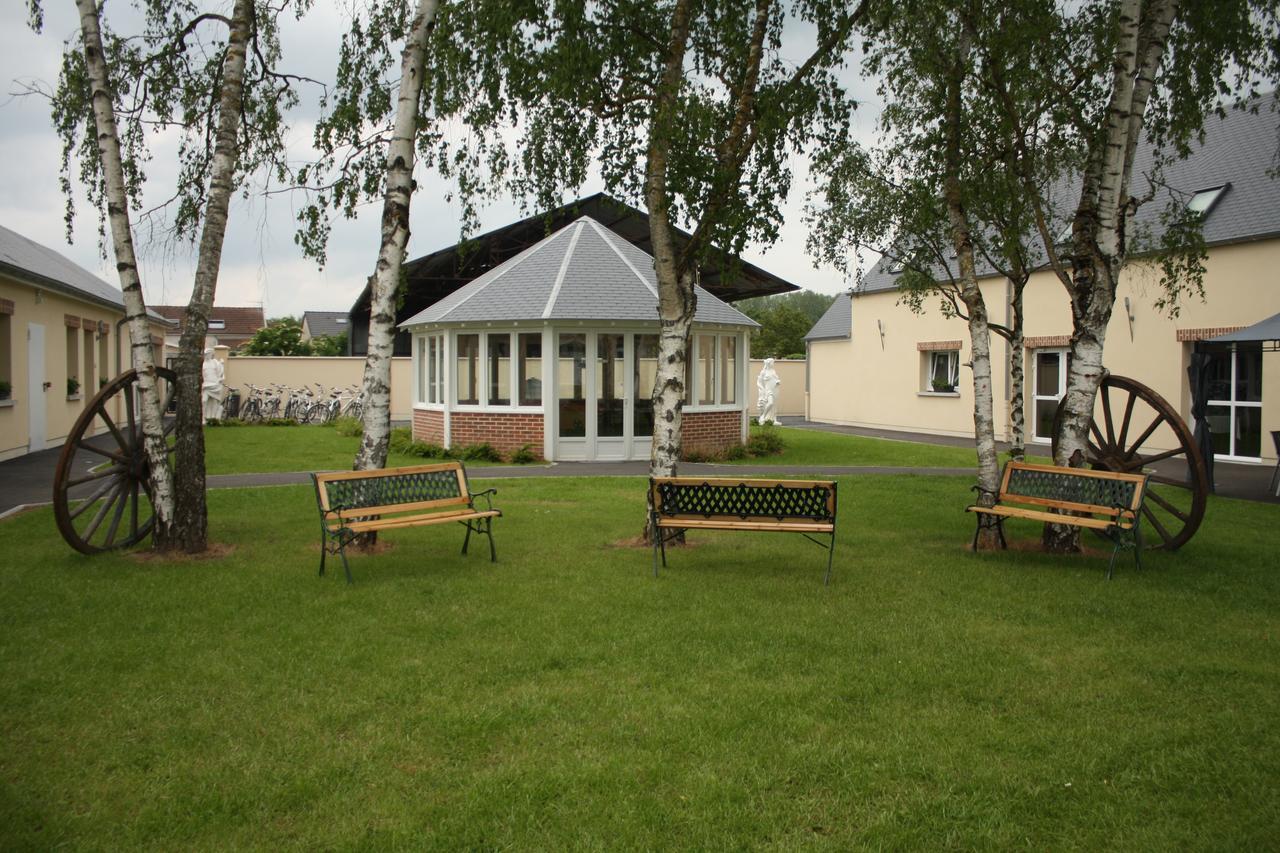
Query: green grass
(812,447)
(564,698)
(263,449)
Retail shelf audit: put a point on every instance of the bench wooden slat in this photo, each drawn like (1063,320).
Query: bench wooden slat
(417,520)
(363,511)
(728,524)
(1053,518)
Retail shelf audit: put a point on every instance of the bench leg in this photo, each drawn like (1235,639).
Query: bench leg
(467,540)
(488,531)
(831,553)
(986,521)
(324,551)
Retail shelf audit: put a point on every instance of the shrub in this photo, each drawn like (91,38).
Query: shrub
(737,451)
(525,455)
(401,438)
(284,422)
(482,452)
(765,442)
(700,455)
(347,426)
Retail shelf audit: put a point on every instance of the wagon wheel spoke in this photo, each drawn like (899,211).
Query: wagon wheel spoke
(1165,535)
(133,510)
(1106,415)
(1146,433)
(115,521)
(98,493)
(1141,461)
(113,471)
(1128,416)
(102,512)
(1097,436)
(118,457)
(1167,506)
(114,430)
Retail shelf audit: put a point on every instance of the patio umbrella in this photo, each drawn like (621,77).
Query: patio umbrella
(1199,411)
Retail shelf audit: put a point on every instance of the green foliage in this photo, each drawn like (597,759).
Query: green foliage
(765,441)
(281,336)
(73,386)
(331,345)
(164,70)
(785,319)
(527,454)
(482,452)
(6,388)
(348,426)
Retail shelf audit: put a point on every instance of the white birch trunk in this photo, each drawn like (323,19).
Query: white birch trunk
(140,348)
(1101,230)
(190,526)
(376,387)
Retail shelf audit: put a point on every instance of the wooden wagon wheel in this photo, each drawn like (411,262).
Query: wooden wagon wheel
(1132,415)
(102,487)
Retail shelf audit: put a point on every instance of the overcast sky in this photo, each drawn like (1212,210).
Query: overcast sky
(260,263)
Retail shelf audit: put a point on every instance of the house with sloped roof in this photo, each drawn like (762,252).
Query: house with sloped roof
(556,349)
(324,324)
(229,325)
(62,337)
(875,363)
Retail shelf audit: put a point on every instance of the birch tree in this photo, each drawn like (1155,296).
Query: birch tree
(1156,69)
(95,79)
(213,80)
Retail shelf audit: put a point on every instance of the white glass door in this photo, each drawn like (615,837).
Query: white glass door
(572,393)
(1233,392)
(611,425)
(1047,390)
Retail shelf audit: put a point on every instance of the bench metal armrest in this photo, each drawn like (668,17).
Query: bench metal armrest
(487,499)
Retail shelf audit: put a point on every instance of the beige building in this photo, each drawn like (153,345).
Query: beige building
(911,370)
(60,332)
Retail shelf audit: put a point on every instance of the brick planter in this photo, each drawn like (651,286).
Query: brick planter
(711,432)
(506,431)
(428,425)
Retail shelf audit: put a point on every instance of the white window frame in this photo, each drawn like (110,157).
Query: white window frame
(695,362)
(953,371)
(1231,405)
(1035,384)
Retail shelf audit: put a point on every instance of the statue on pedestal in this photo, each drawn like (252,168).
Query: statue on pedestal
(212,376)
(767,387)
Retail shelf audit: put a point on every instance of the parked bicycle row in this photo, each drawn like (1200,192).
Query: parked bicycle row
(304,405)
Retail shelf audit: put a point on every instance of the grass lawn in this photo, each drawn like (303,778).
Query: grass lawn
(564,698)
(812,447)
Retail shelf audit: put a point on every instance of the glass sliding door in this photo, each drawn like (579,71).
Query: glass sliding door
(644,373)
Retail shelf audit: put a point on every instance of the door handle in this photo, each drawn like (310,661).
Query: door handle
(48,385)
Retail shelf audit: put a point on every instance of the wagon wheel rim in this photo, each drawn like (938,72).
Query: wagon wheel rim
(1132,414)
(101,487)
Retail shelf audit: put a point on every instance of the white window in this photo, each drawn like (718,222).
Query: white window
(1233,391)
(217,324)
(529,376)
(1204,200)
(942,374)
(467,378)
(433,369)
(1050,383)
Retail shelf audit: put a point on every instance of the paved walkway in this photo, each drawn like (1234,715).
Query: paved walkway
(28,480)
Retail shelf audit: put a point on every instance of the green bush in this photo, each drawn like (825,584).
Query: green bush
(765,442)
(526,455)
(401,438)
(737,451)
(482,452)
(347,426)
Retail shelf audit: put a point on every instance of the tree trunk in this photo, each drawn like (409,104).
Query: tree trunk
(676,298)
(1017,383)
(140,348)
(190,521)
(376,387)
(979,330)
(1102,225)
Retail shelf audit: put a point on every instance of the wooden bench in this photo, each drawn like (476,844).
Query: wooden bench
(356,502)
(1105,501)
(781,506)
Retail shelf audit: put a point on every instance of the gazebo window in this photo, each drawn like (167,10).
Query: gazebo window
(467,379)
(728,369)
(706,370)
(529,378)
(499,370)
(569,380)
(611,386)
(645,375)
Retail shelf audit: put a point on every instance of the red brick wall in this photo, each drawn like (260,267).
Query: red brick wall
(428,425)
(707,432)
(506,431)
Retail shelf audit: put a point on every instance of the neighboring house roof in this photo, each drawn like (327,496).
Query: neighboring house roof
(836,323)
(581,272)
(325,323)
(26,259)
(237,322)
(1238,150)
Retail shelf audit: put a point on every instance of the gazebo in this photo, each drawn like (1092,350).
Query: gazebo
(589,300)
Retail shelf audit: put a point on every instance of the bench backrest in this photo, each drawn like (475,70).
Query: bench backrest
(1077,489)
(420,487)
(747,500)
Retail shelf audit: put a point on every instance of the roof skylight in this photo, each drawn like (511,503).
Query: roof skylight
(1204,200)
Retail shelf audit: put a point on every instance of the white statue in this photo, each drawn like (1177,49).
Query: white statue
(767,386)
(212,376)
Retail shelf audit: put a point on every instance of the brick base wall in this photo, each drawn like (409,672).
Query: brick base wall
(506,431)
(428,425)
(708,432)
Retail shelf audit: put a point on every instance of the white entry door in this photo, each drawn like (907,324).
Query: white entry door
(1050,384)
(37,429)
(611,424)
(593,395)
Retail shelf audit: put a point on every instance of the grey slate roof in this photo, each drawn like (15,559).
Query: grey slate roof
(582,272)
(325,323)
(28,260)
(1238,149)
(836,323)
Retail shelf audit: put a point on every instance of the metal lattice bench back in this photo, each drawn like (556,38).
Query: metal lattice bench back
(783,506)
(353,503)
(1108,502)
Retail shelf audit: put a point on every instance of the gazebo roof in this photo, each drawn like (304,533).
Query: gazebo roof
(584,271)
